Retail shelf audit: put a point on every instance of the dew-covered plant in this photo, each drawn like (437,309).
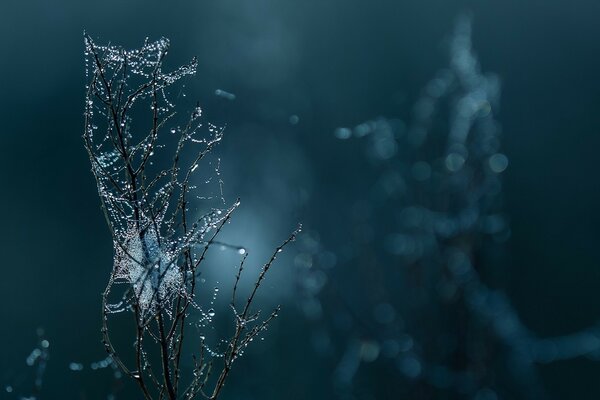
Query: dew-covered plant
(160,232)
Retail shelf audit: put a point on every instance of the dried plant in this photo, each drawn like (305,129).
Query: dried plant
(149,206)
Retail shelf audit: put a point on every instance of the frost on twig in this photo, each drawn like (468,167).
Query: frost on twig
(162,225)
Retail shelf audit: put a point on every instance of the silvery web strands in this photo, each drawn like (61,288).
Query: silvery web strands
(162,224)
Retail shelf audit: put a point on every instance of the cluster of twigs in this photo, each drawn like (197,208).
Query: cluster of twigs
(159,246)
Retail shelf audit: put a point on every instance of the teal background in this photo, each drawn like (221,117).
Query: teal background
(332,63)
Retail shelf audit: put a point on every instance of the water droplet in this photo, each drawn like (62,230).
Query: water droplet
(342,133)
(498,162)
(454,162)
(75,366)
(224,94)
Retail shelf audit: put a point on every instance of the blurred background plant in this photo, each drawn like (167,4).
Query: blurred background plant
(295,71)
(436,216)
